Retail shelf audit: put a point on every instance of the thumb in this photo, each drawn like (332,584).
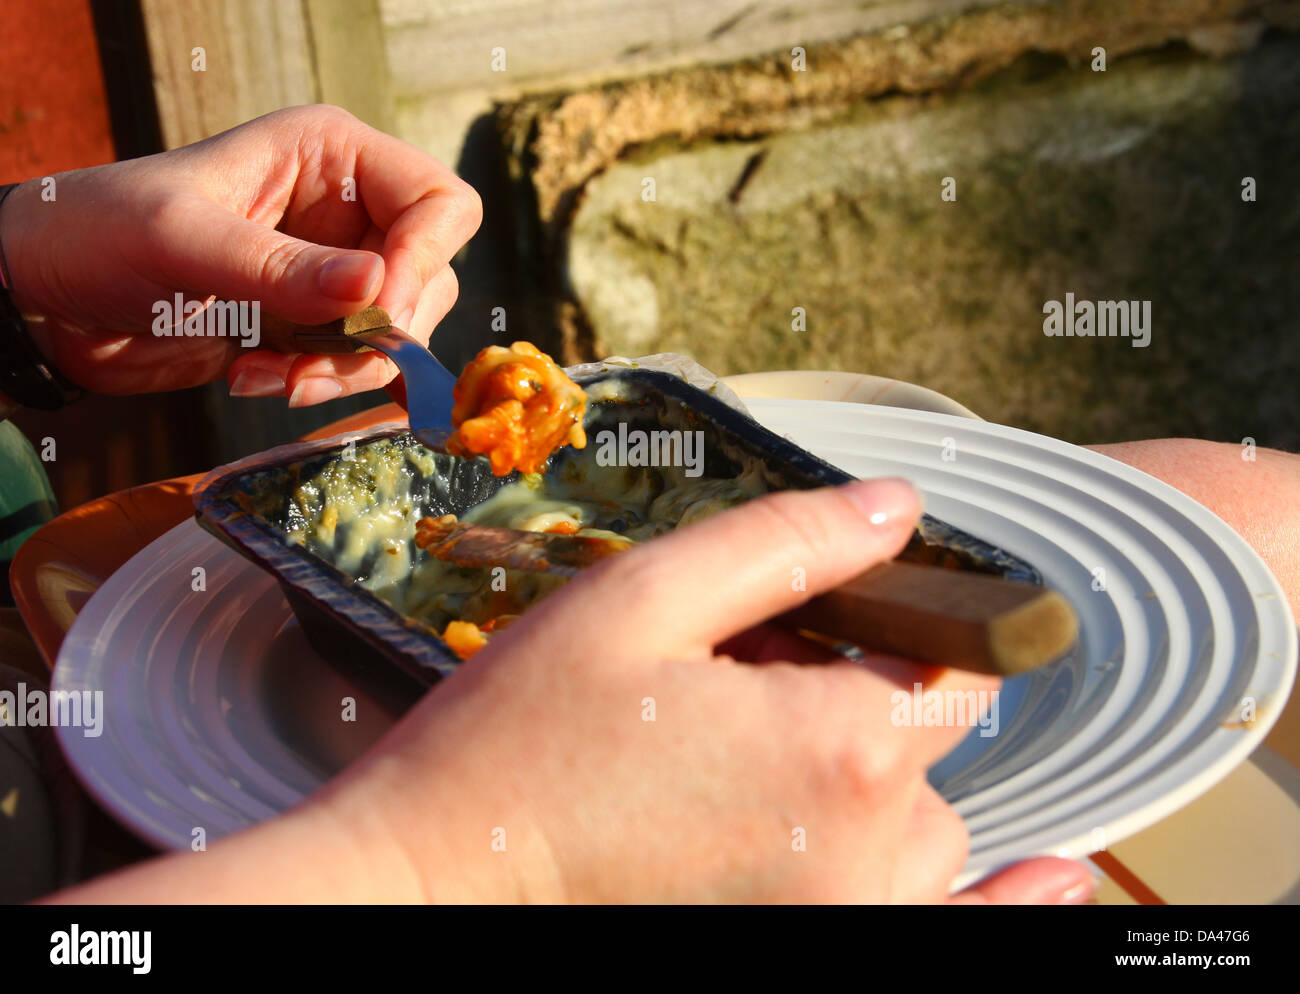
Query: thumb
(689,590)
(1042,880)
(211,250)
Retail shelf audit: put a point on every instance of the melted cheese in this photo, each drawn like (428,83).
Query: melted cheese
(360,515)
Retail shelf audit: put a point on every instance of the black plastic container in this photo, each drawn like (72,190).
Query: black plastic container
(249,506)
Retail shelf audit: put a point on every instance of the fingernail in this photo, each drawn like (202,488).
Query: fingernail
(403,320)
(254,382)
(348,277)
(885,501)
(315,390)
(1082,892)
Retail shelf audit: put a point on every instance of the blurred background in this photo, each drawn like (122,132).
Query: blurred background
(759,184)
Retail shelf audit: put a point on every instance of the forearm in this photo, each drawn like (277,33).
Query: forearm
(309,856)
(1259,498)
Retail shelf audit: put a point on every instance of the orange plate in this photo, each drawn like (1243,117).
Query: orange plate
(63,563)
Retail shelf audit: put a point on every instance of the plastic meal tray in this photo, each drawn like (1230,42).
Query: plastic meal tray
(249,506)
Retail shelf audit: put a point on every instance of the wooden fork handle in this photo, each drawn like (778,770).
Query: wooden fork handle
(970,621)
(334,338)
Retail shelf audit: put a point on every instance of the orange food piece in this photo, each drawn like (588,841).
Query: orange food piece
(563,528)
(515,406)
(430,530)
(464,638)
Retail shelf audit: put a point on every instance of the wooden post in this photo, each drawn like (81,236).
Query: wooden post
(350,60)
(218,63)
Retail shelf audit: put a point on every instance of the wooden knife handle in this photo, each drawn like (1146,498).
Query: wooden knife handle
(970,621)
(335,338)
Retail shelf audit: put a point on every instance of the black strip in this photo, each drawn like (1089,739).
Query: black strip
(128,80)
(893,948)
(30,515)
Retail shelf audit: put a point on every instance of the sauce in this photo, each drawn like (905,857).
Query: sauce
(515,406)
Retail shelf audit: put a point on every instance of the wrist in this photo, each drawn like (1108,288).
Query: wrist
(404,858)
(15,208)
(28,377)
(454,831)
(349,855)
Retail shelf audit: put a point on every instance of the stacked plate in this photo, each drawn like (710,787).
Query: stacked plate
(219,715)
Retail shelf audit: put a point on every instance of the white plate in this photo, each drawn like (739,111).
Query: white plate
(219,714)
(855,388)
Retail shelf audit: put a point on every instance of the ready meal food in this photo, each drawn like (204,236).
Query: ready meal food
(337,522)
(515,406)
(360,509)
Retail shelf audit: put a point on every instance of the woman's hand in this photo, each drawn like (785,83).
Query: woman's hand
(601,749)
(307,211)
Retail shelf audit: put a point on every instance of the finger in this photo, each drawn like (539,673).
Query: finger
(313,379)
(372,241)
(427,211)
(436,299)
(206,249)
(417,253)
(936,846)
(260,373)
(422,325)
(889,696)
(879,684)
(308,379)
(923,711)
(1044,880)
(767,643)
(693,588)
(393,176)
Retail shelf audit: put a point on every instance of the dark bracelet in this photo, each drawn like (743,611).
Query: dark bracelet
(26,376)
(6,283)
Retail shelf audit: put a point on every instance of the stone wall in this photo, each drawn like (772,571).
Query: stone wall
(757,216)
